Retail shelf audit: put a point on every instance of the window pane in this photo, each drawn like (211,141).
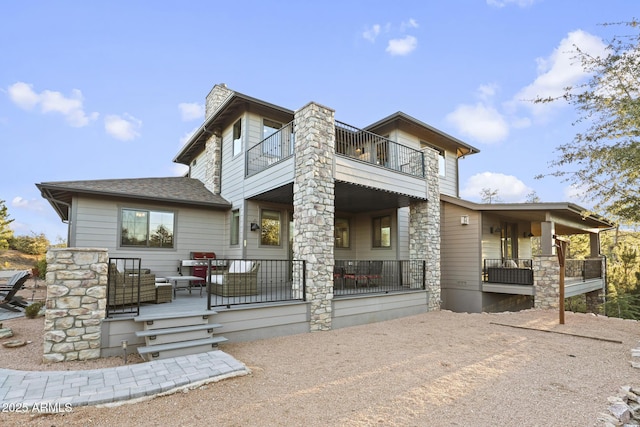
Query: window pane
(235,227)
(134,228)
(382,232)
(341,233)
(147,228)
(237,137)
(161,229)
(270,228)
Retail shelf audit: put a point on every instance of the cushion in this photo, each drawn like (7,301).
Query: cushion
(510,264)
(217,279)
(240,266)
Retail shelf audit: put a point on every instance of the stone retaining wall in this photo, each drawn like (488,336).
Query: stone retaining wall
(76,303)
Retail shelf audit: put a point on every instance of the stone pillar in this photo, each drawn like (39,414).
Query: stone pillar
(76,303)
(314,208)
(424,232)
(216,98)
(594,300)
(213,159)
(546,281)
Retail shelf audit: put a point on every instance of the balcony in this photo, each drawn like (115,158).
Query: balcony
(351,142)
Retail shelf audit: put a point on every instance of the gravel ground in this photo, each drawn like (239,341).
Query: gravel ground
(438,368)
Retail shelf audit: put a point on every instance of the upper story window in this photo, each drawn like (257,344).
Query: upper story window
(237,137)
(235,227)
(381,232)
(441,158)
(270,226)
(146,228)
(341,233)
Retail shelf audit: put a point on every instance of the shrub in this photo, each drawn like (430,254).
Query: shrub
(40,268)
(32,310)
(32,245)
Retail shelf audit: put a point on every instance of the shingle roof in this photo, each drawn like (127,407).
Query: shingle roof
(180,190)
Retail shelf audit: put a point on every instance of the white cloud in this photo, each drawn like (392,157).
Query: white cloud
(191,111)
(480,122)
(122,128)
(372,33)
(411,23)
(510,189)
(559,71)
(23,95)
(503,3)
(22,203)
(403,46)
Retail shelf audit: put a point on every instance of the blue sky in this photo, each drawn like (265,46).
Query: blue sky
(93,90)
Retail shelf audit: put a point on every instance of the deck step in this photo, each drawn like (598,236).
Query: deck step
(171,320)
(183,348)
(182,333)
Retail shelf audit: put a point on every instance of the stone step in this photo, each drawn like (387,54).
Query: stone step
(184,348)
(182,333)
(170,320)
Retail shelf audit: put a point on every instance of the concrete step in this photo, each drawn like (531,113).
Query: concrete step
(182,333)
(184,348)
(171,320)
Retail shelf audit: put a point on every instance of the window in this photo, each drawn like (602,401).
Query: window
(147,229)
(509,240)
(270,228)
(382,232)
(235,227)
(272,146)
(237,137)
(341,233)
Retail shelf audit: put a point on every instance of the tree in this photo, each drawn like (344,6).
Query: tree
(532,197)
(604,159)
(489,196)
(6,233)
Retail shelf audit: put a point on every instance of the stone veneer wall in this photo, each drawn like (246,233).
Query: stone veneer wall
(424,230)
(213,146)
(546,271)
(314,208)
(76,302)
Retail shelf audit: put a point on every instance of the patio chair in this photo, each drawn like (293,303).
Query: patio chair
(375,271)
(241,279)
(338,274)
(359,274)
(10,300)
(123,286)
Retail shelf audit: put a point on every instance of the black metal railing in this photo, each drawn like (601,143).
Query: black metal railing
(351,277)
(377,150)
(271,150)
(123,286)
(516,271)
(584,269)
(255,281)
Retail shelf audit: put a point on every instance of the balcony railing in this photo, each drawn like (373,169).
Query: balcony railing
(374,149)
(584,269)
(255,281)
(356,277)
(271,150)
(517,271)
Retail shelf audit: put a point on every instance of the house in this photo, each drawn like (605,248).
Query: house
(373,214)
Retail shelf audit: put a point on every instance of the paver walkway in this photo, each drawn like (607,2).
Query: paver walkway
(20,391)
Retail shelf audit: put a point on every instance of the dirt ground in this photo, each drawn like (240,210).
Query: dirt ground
(438,368)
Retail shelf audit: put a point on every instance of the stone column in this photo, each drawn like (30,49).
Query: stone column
(546,281)
(594,300)
(314,208)
(216,98)
(76,303)
(424,232)
(213,159)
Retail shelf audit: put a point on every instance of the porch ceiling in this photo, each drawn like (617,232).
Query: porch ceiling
(348,198)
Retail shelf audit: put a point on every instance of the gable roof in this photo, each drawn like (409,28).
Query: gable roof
(176,190)
(422,130)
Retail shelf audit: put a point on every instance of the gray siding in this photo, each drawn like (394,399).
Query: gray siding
(460,262)
(376,308)
(97,225)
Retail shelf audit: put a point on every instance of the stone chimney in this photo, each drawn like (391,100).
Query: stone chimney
(216,97)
